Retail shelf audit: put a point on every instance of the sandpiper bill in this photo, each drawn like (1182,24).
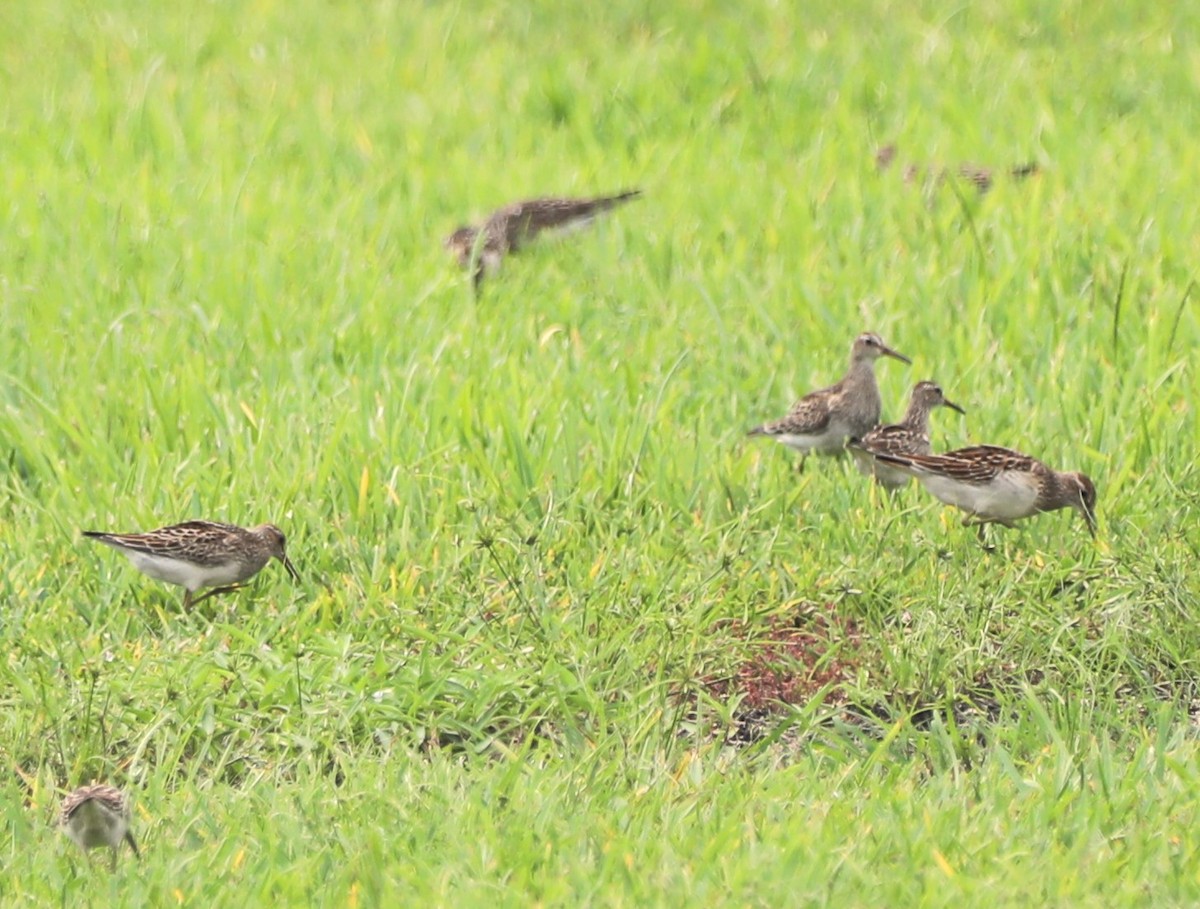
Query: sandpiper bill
(199,554)
(823,420)
(997,485)
(483,247)
(909,436)
(98,815)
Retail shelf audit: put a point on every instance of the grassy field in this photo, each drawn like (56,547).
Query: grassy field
(564,635)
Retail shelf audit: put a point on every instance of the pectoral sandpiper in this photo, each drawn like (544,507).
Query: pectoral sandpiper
(823,420)
(909,436)
(98,815)
(979,176)
(997,485)
(506,230)
(200,554)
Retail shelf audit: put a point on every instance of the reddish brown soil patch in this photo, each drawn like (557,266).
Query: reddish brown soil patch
(793,658)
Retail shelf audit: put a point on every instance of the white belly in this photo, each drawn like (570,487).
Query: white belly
(185,574)
(819,444)
(569,227)
(1009,496)
(831,441)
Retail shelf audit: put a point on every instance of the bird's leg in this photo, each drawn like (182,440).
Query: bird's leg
(187,600)
(218,590)
(983,540)
(800,464)
(976,520)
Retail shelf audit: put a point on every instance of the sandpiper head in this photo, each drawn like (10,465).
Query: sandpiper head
(462,243)
(1084,499)
(930,395)
(869,346)
(277,546)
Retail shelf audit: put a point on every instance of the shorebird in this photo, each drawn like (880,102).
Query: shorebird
(982,177)
(98,815)
(909,436)
(823,420)
(199,554)
(997,485)
(483,247)
(979,176)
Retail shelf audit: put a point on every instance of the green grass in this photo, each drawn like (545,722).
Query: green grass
(532,535)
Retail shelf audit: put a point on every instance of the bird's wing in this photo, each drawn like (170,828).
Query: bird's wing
(523,221)
(891,439)
(976,464)
(191,540)
(808,416)
(112,797)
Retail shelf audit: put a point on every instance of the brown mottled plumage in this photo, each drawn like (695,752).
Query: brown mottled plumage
(979,176)
(998,485)
(98,815)
(506,230)
(199,554)
(909,436)
(823,420)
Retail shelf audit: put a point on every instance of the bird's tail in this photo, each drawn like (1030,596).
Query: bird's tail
(886,458)
(603,203)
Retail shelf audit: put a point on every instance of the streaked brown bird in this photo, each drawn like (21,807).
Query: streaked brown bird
(199,554)
(909,436)
(98,815)
(996,485)
(978,175)
(823,420)
(483,247)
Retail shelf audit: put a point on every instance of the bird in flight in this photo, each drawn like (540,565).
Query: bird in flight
(481,248)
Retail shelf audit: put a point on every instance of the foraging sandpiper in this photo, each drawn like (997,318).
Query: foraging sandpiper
(982,177)
(998,485)
(979,176)
(823,420)
(98,815)
(506,230)
(199,554)
(909,436)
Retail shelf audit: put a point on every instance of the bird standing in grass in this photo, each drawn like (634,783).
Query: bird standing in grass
(822,421)
(997,485)
(909,436)
(199,554)
(482,248)
(98,815)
